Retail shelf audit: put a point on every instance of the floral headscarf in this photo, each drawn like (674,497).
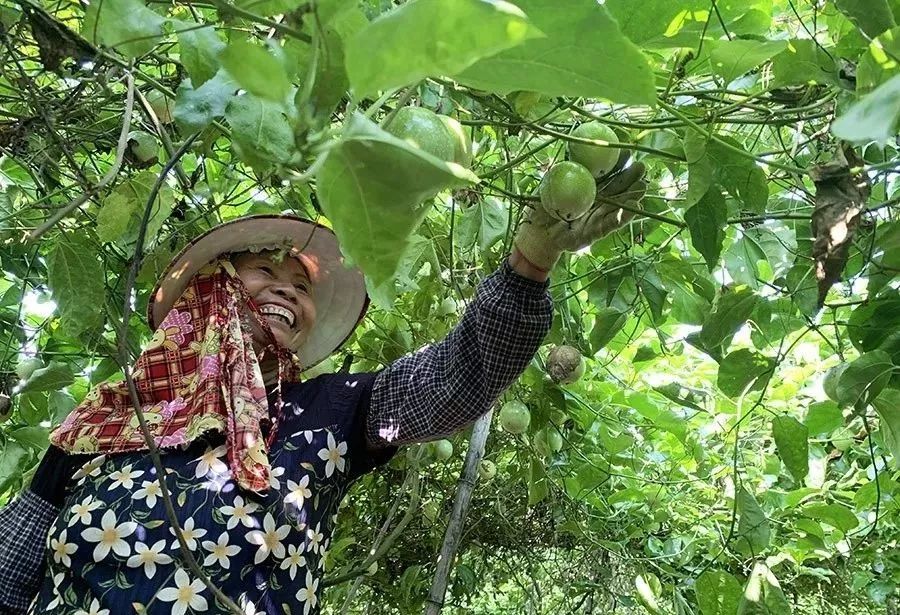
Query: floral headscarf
(199,373)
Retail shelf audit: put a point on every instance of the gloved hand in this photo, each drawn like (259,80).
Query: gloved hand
(541,238)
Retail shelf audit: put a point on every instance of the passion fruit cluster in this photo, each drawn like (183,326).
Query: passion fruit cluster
(568,189)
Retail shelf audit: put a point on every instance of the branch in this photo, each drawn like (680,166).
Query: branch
(106,179)
(452,535)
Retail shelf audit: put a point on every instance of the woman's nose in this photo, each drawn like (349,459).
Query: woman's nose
(286,291)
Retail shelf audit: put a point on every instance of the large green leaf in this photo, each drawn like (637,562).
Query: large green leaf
(706,223)
(583,54)
(198,51)
(12,460)
(75,276)
(485,222)
(864,378)
(888,407)
(423,38)
(868,323)
(732,310)
(607,323)
(718,593)
(260,131)
(792,441)
(753,533)
(823,417)
(871,16)
(879,64)
(762,594)
(120,215)
(875,117)
(731,59)
(375,190)
(804,62)
(664,23)
(51,378)
(195,108)
(126,25)
(724,161)
(836,515)
(256,70)
(743,371)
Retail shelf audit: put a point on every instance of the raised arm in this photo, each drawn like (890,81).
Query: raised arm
(443,387)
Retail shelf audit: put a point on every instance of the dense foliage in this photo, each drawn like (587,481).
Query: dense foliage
(733,445)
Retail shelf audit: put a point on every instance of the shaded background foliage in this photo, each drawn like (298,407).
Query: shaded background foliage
(733,446)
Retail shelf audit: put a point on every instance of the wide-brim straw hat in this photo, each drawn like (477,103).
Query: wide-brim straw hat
(338,291)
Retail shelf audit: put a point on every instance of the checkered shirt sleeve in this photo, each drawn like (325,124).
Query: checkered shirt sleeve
(443,387)
(24,524)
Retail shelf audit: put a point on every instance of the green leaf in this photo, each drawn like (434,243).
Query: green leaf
(823,417)
(486,221)
(723,161)
(60,405)
(375,190)
(887,405)
(871,16)
(267,8)
(195,108)
(583,54)
(864,378)
(75,276)
(718,593)
(792,441)
(422,38)
(868,323)
(742,259)
(706,222)
(731,59)
(607,323)
(260,132)
(256,70)
(33,407)
(731,312)
(753,531)
(648,590)
(762,594)
(743,371)
(198,51)
(663,23)
(120,216)
(34,437)
(12,460)
(874,117)
(51,378)
(538,489)
(126,25)
(836,515)
(804,62)
(879,64)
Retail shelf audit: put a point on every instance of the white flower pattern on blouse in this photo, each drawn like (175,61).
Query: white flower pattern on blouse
(110,536)
(333,455)
(62,549)
(93,609)
(241,512)
(185,594)
(189,533)
(269,540)
(149,557)
(124,478)
(149,491)
(220,551)
(81,512)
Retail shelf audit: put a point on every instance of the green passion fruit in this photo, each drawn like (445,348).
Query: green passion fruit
(426,130)
(597,159)
(462,145)
(567,191)
(515,417)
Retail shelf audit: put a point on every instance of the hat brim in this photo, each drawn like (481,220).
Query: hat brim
(339,292)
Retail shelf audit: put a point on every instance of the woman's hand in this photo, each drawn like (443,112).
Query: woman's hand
(541,238)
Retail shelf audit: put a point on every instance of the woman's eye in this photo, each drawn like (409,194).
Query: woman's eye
(303,288)
(266,270)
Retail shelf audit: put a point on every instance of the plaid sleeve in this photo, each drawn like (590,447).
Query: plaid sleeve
(24,524)
(443,387)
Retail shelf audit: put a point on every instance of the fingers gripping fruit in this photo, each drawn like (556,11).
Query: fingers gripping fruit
(565,364)
(515,417)
(598,160)
(567,191)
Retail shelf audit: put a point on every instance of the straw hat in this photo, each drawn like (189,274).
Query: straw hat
(339,292)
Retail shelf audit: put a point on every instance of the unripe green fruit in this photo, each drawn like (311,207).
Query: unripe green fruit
(515,417)
(599,160)
(567,191)
(424,129)
(565,364)
(548,441)
(462,145)
(143,146)
(162,106)
(26,367)
(487,469)
(442,450)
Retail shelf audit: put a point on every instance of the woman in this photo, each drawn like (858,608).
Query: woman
(257,462)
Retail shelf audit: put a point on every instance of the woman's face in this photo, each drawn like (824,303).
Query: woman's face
(282,290)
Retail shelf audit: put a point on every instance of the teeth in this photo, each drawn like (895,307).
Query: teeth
(276,310)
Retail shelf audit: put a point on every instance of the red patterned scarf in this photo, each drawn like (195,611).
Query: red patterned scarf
(199,373)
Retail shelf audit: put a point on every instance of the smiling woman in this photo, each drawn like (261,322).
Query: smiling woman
(257,460)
